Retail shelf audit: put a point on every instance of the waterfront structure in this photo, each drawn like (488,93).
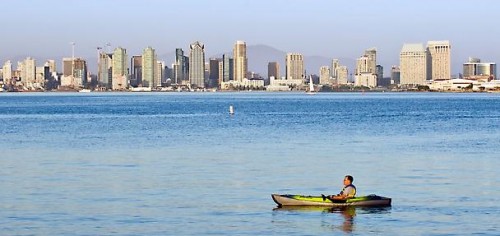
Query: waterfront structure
(324,75)
(136,71)
(379,72)
(333,69)
(104,72)
(214,77)
(119,69)
(273,70)
(294,66)
(74,72)
(342,75)
(227,68)
(197,65)
(7,72)
(180,67)
(52,65)
(395,75)
(149,67)
(438,60)
(240,61)
(366,71)
(413,64)
(159,74)
(28,72)
(474,69)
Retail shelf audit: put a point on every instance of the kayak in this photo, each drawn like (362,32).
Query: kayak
(300,200)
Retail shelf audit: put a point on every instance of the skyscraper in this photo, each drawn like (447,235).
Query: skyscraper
(324,75)
(149,67)
(395,75)
(197,65)
(7,72)
(294,66)
(240,60)
(214,72)
(439,62)
(333,70)
(413,64)
(136,71)
(180,68)
(120,69)
(104,74)
(342,74)
(74,72)
(273,69)
(371,53)
(159,73)
(28,71)
(227,68)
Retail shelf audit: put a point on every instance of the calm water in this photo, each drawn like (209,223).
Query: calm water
(178,163)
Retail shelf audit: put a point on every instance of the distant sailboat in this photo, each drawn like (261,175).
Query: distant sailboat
(311,86)
(231,110)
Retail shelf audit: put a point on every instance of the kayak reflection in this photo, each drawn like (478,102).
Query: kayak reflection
(348,214)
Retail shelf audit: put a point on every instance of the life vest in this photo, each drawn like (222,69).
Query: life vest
(350,195)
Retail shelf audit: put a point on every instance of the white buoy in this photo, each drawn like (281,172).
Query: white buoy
(231,110)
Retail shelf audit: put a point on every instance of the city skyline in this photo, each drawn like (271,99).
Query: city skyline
(271,24)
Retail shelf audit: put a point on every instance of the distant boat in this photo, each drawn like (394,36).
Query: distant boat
(311,86)
(84,91)
(231,110)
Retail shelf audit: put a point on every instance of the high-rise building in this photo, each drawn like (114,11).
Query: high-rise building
(240,61)
(333,69)
(160,73)
(104,74)
(213,78)
(28,72)
(324,75)
(273,70)
(477,70)
(379,71)
(136,71)
(395,75)
(294,66)
(7,72)
(366,72)
(438,60)
(342,75)
(228,68)
(74,72)
(371,53)
(52,65)
(413,64)
(149,67)
(120,69)
(180,68)
(197,65)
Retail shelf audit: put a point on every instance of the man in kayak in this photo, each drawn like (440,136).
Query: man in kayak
(349,190)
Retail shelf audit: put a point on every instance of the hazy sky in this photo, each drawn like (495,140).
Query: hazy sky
(329,28)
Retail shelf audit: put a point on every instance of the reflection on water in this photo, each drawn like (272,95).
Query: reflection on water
(348,214)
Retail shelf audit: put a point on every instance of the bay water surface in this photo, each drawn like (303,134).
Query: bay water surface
(179,164)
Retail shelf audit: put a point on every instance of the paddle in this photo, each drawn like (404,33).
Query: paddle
(333,200)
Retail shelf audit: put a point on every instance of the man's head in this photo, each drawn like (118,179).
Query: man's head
(348,180)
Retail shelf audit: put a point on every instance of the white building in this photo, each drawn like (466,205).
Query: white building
(197,65)
(324,75)
(294,66)
(366,79)
(120,69)
(342,75)
(439,60)
(413,64)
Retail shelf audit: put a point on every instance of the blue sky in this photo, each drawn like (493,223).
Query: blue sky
(329,28)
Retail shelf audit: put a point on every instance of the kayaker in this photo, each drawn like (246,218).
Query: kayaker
(349,190)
